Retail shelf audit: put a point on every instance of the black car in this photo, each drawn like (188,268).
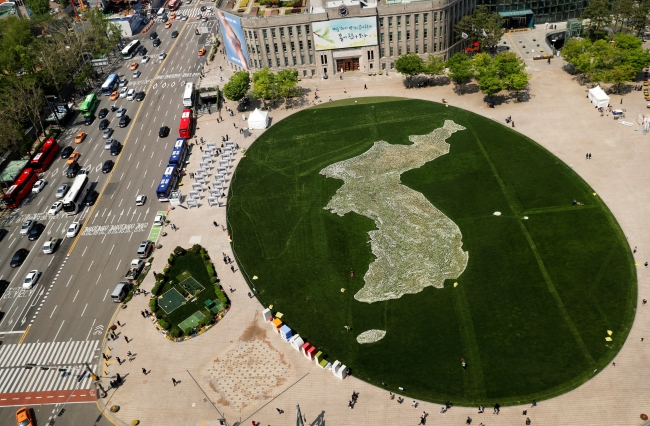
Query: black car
(174,34)
(19,257)
(143,51)
(73,170)
(203,8)
(103,124)
(163,132)
(139,96)
(116,147)
(89,120)
(3,233)
(164,18)
(108,166)
(124,121)
(65,152)
(197,32)
(35,232)
(4,284)
(91,197)
(156,42)
(103,113)
(153,35)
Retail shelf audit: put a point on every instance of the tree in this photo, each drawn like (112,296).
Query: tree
(264,85)
(434,66)
(237,86)
(517,83)
(620,74)
(460,68)
(490,85)
(409,65)
(599,13)
(286,82)
(484,26)
(38,7)
(508,63)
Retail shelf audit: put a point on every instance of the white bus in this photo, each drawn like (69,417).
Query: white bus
(131,49)
(110,84)
(75,197)
(188,96)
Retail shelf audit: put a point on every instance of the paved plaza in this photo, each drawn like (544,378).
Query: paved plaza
(242,370)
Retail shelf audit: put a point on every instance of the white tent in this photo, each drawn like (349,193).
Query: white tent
(258,120)
(598,97)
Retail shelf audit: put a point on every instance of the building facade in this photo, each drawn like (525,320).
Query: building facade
(542,10)
(376,36)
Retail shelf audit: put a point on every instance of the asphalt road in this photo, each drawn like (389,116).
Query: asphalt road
(59,320)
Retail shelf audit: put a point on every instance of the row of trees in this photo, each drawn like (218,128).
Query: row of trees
(41,57)
(266,85)
(504,71)
(624,14)
(610,61)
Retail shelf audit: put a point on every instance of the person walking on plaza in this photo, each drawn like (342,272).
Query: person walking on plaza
(365,87)
(126,338)
(144,371)
(345,91)
(174,381)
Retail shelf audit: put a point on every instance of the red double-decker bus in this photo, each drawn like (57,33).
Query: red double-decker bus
(45,156)
(187,122)
(173,4)
(19,190)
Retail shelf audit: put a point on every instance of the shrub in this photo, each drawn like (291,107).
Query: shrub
(153,304)
(170,260)
(179,251)
(244,3)
(175,331)
(214,280)
(209,319)
(196,248)
(220,295)
(165,270)
(164,324)
(157,288)
(210,267)
(160,277)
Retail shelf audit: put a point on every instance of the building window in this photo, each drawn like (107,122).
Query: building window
(390,36)
(299,30)
(264,34)
(275,47)
(307,29)
(302,59)
(440,46)
(273,32)
(309,44)
(435,32)
(425,33)
(399,36)
(408,48)
(408,19)
(392,65)
(255,62)
(293,46)
(281,32)
(270,63)
(408,34)
(300,44)
(323,59)
(425,49)
(417,34)
(435,16)
(313,72)
(267,49)
(426,18)
(382,37)
(294,61)
(257,49)
(290,31)
(434,47)
(371,55)
(390,21)
(416,48)
(391,51)
(304,72)
(381,22)
(383,52)
(371,65)
(383,66)
(255,34)
(417,18)
(277,61)
(286,62)
(284,46)
(311,59)
(399,20)
(399,50)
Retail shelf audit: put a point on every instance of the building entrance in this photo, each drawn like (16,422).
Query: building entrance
(347,64)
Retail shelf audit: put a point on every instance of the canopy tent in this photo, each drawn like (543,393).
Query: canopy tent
(258,120)
(598,97)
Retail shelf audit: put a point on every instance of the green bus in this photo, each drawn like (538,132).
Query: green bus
(89,105)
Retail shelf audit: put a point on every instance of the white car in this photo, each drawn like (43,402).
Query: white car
(136,73)
(120,112)
(73,229)
(27,226)
(61,190)
(130,95)
(161,56)
(124,82)
(144,59)
(140,200)
(31,279)
(56,207)
(159,220)
(184,18)
(123,92)
(38,186)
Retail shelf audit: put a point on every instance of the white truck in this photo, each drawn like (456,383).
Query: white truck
(137,265)
(50,246)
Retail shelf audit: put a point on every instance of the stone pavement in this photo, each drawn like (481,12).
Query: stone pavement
(241,370)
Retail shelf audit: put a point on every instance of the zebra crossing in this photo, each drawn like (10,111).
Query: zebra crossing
(191,12)
(56,366)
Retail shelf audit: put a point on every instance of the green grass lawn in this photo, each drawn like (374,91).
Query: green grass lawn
(532,308)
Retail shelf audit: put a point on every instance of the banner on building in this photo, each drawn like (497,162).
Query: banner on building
(345,33)
(233,39)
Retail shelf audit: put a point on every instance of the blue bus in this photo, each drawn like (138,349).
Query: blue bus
(168,182)
(110,84)
(178,152)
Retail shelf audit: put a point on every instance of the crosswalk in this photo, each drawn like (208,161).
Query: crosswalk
(56,366)
(193,11)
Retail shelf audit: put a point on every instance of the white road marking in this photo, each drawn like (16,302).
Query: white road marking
(82,254)
(118,264)
(100,275)
(75,296)
(70,279)
(91,265)
(53,311)
(57,333)
(105,295)
(82,313)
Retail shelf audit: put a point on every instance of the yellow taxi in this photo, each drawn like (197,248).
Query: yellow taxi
(80,137)
(73,157)
(115,95)
(24,417)
(172,16)
(202,51)
(134,66)
(168,24)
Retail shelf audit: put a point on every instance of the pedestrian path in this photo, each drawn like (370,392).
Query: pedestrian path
(55,366)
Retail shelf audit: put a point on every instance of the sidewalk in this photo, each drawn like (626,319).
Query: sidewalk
(247,372)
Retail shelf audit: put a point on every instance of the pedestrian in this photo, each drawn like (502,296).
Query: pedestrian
(118,323)
(527,421)
(534,404)
(126,338)
(230,288)
(119,361)
(330,99)
(392,395)
(105,357)
(469,420)
(645,301)
(279,411)
(524,413)
(646,265)
(174,381)
(613,364)
(223,194)
(463,363)
(317,88)
(129,353)
(590,155)
(201,148)
(481,409)
(365,87)
(345,91)
(232,268)
(587,156)
(214,222)
(144,371)
(414,404)
(513,123)
(634,251)
(234,125)
(350,404)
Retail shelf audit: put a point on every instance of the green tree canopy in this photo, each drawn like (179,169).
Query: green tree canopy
(409,65)
(286,81)
(237,86)
(38,7)
(460,68)
(599,12)
(475,24)
(517,82)
(435,65)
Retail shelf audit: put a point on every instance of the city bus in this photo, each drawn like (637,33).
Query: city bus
(168,182)
(179,151)
(188,95)
(173,4)
(89,105)
(42,160)
(73,200)
(19,190)
(110,85)
(130,50)
(185,127)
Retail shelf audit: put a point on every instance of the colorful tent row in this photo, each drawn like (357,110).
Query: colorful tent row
(310,352)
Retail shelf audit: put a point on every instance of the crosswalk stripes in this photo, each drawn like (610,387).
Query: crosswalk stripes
(64,359)
(192,12)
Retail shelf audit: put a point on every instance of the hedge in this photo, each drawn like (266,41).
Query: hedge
(153,305)
(222,297)
(210,267)
(175,331)
(157,288)
(163,324)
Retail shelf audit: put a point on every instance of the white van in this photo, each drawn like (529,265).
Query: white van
(161,12)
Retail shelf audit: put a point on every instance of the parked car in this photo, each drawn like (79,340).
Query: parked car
(159,220)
